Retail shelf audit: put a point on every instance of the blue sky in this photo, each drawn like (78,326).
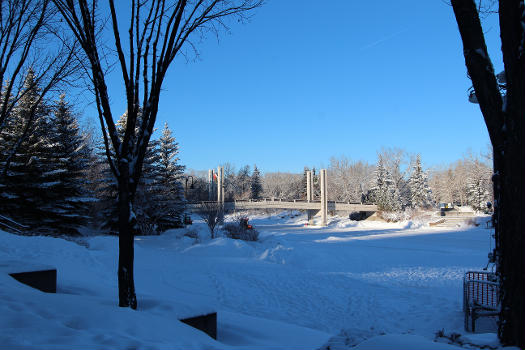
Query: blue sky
(307,80)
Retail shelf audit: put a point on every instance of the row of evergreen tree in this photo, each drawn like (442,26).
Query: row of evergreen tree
(56,180)
(393,196)
(395,193)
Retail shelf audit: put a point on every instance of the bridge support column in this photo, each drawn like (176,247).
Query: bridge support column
(309,196)
(210,184)
(324,197)
(220,189)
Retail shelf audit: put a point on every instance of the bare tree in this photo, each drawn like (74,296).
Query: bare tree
(348,180)
(454,184)
(26,28)
(212,213)
(503,112)
(282,185)
(157,31)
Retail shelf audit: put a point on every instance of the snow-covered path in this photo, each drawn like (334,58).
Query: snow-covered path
(297,287)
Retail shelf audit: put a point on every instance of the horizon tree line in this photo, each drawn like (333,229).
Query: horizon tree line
(396,182)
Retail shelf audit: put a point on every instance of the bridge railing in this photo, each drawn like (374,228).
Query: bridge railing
(295,200)
(290,204)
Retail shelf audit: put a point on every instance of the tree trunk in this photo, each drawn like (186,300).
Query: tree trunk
(504,122)
(510,245)
(126,284)
(511,226)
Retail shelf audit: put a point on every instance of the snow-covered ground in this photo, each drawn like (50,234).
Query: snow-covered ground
(366,284)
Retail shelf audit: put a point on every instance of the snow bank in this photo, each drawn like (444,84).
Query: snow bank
(347,284)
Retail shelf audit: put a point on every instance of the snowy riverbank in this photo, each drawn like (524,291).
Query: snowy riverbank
(300,287)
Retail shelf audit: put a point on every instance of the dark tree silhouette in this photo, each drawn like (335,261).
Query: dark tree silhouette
(157,31)
(504,113)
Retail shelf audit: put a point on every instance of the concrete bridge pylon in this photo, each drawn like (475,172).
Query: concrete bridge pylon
(220,184)
(310,196)
(210,185)
(324,197)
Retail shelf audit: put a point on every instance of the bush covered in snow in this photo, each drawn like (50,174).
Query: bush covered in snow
(239,230)
(394,216)
(409,214)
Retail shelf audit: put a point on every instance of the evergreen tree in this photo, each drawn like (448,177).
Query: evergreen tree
(43,185)
(167,189)
(385,192)
(159,202)
(68,201)
(146,197)
(106,184)
(105,189)
(256,185)
(29,174)
(379,188)
(418,186)
(478,184)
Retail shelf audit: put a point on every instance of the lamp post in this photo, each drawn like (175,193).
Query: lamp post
(186,187)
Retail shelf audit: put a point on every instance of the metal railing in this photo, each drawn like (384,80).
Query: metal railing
(480,297)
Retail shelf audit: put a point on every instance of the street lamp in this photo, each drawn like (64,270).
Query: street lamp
(186,188)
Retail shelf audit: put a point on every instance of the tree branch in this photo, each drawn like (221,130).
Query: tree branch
(479,67)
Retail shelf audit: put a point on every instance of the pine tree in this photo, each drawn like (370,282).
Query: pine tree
(168,191)
(256,185)
(28,178)
(105,189)
(45,180)
(106,184)
(10,131)
(385,192)
(146,198)
(69,203)
(478,185)
(379,189)
(418,186)
(159,202)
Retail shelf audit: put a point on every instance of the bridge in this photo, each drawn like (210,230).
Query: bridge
(296,204)
(311,206)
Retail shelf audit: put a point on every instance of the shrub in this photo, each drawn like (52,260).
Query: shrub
(236,230)
(213,215)
(392,216)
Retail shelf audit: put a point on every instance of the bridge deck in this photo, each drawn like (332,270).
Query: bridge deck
(296,204)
